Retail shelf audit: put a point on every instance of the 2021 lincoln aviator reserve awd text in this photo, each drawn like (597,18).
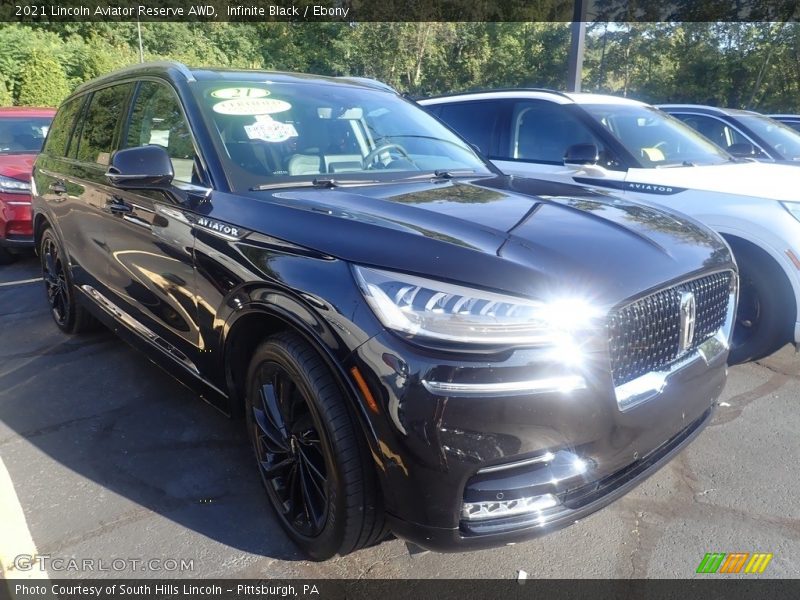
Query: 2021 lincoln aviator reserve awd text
(417,343)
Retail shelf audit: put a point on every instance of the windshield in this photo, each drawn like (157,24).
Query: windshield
(655,138)
(278,133)
(784,139)
(23,135)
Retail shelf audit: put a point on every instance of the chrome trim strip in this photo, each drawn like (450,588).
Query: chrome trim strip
(566,383)
(651,384)
(546,457)
(137,327)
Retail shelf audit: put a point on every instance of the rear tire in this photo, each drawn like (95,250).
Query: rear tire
(69,316)
(313,461)
(765,315)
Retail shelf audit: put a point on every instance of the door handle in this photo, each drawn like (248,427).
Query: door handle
(118,206)
(57,187)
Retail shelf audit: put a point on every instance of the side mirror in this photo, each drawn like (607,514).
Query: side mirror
(140,168)
(743,150)
(581,154)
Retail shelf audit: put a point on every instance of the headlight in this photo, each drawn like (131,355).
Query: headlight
(443,311)
(793,208)
(14,186)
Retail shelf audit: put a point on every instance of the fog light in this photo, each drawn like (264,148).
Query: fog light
(493,509)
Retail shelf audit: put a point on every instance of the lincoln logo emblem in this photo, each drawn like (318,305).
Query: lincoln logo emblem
(688,318)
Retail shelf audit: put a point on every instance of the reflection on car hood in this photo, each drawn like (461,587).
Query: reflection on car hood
(760,180)
(498,234)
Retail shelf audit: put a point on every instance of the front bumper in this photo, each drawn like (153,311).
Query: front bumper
(579,503)
(437,451)
(16,224)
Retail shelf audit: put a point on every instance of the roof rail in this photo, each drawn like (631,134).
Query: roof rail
(492,91)
(157,64)
(375,83)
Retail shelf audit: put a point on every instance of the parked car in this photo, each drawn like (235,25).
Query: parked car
(743,133)
(417,343)
(609,143)
(22,131)
(792,121)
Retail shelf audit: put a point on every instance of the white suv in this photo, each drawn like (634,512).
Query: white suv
(639,152)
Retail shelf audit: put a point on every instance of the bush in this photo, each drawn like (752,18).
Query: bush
(5,95)
(42,82)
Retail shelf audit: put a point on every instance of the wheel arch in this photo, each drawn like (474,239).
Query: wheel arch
(788,286)
(40,223)
(250,326)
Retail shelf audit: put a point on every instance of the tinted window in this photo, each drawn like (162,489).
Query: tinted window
(157,118)
(793,124)
(780,136)
(474,121)
(655,138)
(100,123)
(22,134)
(542,131)
(61,129)
(719,132)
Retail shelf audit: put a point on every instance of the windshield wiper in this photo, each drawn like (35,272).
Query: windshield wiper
(446,174)
(320,182)
(452,173)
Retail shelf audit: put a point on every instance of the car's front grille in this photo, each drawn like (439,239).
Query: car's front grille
(645,335)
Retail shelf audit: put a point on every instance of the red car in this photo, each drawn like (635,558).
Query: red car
(22,133)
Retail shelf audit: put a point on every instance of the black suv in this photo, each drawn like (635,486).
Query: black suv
(417,343)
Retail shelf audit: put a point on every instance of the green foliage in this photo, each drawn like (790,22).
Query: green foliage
(5,96)
(748,64)
(42,82)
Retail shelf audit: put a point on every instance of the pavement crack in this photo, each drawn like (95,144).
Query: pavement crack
(138,514)
(383,561)
(27,435)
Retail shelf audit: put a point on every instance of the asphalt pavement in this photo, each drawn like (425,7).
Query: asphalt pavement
(113,465)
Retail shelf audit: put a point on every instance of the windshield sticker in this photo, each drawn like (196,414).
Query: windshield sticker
(251,106)
(268,130)
(239,92)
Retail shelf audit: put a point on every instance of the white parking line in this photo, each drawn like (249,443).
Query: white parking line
(15,539)
(20,282)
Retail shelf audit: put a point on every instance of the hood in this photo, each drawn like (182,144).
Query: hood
(17,166)
(771,181)
(522,236)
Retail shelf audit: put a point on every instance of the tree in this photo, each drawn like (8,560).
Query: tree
(5,96)
(43,81)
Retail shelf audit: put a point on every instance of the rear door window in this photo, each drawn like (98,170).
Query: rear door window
(474,121)
(60,131)
(100,124)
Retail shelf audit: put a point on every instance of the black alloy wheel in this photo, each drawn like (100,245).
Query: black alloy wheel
(311,453)
(68,315)
(289,451)
(55,281)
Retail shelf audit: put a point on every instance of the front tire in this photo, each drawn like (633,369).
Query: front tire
(313,462)
(765,314)
(69,316)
